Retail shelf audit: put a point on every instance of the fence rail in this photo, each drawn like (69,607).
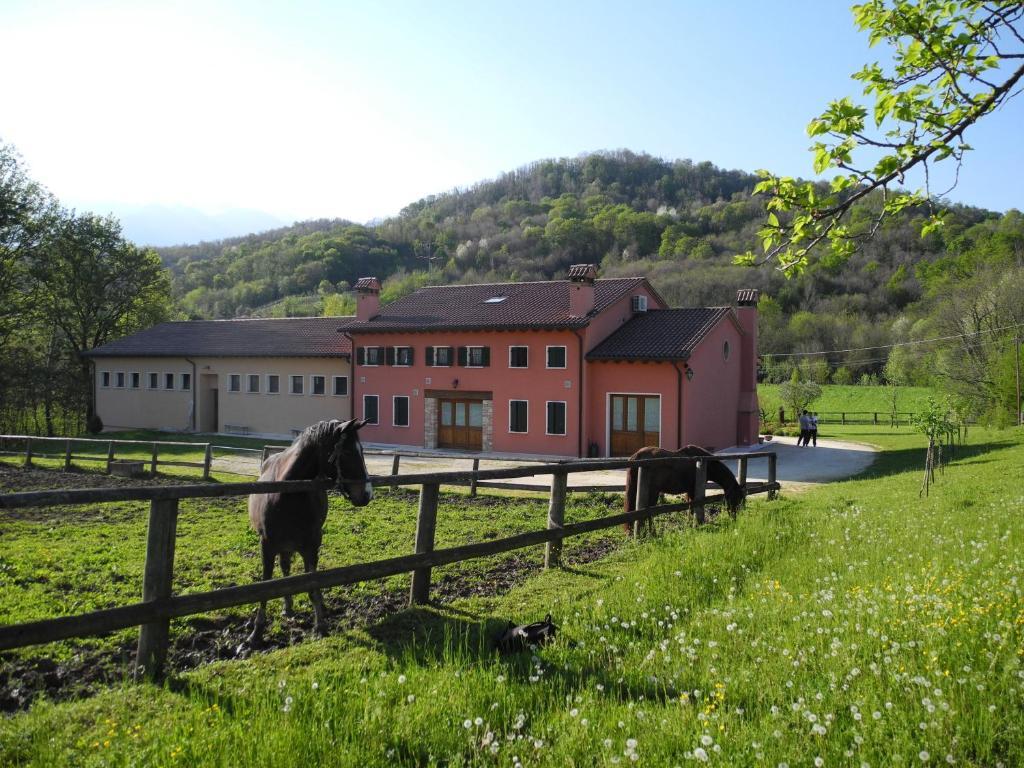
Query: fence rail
(109,456)
(159,605)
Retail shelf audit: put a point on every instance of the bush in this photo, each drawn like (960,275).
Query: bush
(94,425)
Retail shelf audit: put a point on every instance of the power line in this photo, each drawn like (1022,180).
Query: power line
(890,346)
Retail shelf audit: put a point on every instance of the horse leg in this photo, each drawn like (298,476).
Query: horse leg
(309,559)
(286,569)
(259,622)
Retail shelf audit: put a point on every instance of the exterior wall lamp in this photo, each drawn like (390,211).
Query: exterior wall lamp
(689,373)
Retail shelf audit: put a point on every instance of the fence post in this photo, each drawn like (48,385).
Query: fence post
(472,483)
(556,518)
(643,492)
(875,421)
(110,455)
(394,471)
(426,520)
(28,451)
(842,416)
(67,455)
(742,478)
(152,463)
(156,585)
(772,466)
(700,489)
(207,461)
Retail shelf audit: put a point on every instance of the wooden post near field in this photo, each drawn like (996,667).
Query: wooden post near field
(643,491)
(472,483)
(741,476)
(700,489)
(110,455)
(152,461)
(842,416)
(556,518)
(156,585)
(875,414)
(67,455)
(394,470)
(207,461)
(426,521)
(28,452)
(772,466)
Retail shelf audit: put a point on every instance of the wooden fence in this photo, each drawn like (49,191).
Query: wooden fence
(159,605)
(30,449)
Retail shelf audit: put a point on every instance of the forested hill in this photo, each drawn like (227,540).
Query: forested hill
(678,222)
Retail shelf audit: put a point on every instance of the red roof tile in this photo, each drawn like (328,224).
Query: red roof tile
(494,306)
(660,334)
(284,337)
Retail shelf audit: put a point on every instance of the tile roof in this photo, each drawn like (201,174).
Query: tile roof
(494,306)
(660,334)
(283,337)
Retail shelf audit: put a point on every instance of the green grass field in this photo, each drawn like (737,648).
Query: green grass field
(854,624)
(839,398)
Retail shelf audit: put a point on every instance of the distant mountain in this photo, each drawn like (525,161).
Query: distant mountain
(163,225)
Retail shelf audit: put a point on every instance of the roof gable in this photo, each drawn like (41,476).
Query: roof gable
(660,334)
(495,306)
(283,337)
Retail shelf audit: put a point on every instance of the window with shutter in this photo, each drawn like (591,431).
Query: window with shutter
(463,356)
(360,356)
(428,356)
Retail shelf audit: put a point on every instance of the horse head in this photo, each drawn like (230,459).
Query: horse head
(346,461)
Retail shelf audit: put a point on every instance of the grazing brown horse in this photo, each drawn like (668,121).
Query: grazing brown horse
(679,477)
(293,522)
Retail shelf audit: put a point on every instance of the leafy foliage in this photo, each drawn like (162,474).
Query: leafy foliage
(954,62)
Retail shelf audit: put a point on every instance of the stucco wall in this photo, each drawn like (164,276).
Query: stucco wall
(710,403)
(261,413)
(536,384)
(632,378)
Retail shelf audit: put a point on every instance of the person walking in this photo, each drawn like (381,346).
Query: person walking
(805,430)
(814,429)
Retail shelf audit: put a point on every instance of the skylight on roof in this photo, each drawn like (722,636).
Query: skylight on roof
(495,300)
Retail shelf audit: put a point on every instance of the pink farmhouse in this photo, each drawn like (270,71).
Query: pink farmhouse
(568,368)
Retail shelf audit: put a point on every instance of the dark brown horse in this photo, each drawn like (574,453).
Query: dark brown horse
(679,477)
(293,522)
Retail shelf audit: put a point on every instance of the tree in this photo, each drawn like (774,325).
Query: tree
(954,62)
(25,213)
(91,285)
(798,394)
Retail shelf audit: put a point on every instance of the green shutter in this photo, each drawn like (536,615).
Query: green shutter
(463,356)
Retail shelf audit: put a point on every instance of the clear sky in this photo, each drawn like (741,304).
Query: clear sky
(307,109)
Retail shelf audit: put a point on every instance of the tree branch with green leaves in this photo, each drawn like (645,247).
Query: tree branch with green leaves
(953,63)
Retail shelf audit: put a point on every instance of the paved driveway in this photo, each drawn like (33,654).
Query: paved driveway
(797,467)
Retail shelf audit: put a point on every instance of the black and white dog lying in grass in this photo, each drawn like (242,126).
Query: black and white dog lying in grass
(515,639)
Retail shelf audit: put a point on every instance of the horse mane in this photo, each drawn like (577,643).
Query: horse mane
(316,438)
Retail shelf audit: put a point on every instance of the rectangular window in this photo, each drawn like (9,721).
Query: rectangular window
(318,385)
(186,381)
(556,418)
(440,357)
(401,356)
(104,378)
(341,386)
(373,355)
(517,416)
(153,379)
(477,357)
(252,383)
(401,411)
(168,381)
(295,386)
(556,357)
(119,380)
(234,382)
(273,384)
(136,380)
(517,357)
(370,408)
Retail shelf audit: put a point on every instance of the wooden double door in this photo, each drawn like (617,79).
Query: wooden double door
(460,424)
(635,422)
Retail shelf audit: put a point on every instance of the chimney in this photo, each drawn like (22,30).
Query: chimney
(581,289)
(746,313)
(367,298)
